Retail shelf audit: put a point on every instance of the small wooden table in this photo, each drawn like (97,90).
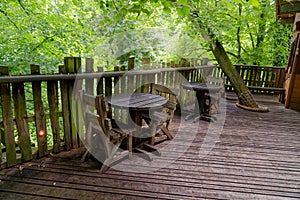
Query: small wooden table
(137,105)
(201,89)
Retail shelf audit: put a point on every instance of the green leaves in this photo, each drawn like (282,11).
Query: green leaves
(54,29)
(182,2)
(255,3)
(183,10)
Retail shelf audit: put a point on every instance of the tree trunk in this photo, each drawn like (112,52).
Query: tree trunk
(243,93)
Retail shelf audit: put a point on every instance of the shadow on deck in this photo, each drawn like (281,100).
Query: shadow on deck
(256,156)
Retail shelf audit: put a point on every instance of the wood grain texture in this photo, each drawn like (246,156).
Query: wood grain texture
(21,121)
(7,116)
(39,112)
(257,156)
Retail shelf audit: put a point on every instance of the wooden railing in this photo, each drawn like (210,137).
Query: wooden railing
(261,79)
(37,107)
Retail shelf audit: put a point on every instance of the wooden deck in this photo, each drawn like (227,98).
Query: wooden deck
(256,156)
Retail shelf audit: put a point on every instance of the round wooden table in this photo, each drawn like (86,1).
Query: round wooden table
(138,104)
(137,101)
(201,89)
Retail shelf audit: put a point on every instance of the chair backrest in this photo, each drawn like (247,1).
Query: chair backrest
(87,103)
(96,137)
(102,111)
(170,95)
(217,81)
(95,110)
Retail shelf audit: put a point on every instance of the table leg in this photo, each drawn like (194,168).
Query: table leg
(201,108)
(143,149)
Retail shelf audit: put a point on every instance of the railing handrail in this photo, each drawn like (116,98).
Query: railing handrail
(259,66)
(57,77)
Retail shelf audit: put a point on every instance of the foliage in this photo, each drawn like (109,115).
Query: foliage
(44,31)
(248,30)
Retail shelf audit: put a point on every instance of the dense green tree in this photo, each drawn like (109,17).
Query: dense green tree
(44,31)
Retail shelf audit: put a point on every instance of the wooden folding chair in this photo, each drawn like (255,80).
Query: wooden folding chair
(163,119)
(103,140)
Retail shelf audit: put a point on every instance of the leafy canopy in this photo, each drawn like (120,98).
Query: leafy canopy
(44,31)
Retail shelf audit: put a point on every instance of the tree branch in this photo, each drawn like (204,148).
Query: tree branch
(117,9)
(22,6)
(232,16)
(8,17)
(41,43)
(233,54)
(251,36)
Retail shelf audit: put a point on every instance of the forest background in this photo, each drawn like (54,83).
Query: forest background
(43,32)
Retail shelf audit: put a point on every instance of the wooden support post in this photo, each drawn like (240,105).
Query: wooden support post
(117,84)
(72,65)
(89,83)
(159,75)
(145,80)
(124,89)
(108,86)
(167,75)
(138,86)
(52,90)
(123,81)
(130,78)
(65,110)
(163,74)
(131,63)
(21,121)
(116,81)
(40,116)
(100,82)
(296,27)
(130,86)
(7,117)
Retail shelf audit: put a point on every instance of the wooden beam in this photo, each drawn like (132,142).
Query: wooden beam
(39,112)
(288,20)
(292,7)
(296,27)
(22,120)
(7,116)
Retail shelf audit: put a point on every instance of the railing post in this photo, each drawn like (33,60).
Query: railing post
(130,78)
(89,83)
(116,81)
(100,82)
(7,117)
(145,78)
(72,65)
(52,93)
(39,113)
(108,86)
(21,120)
(65,109)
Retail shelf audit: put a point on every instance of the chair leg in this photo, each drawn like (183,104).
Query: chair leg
(153,133)
(103,168)
(85,156)
(166,131)
(129,145)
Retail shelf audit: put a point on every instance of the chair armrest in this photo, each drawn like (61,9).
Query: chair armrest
(171,105)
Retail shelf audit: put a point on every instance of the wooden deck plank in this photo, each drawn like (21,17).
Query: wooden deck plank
(257,156)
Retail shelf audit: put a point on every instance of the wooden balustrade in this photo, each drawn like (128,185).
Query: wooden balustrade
(53,99)
(261,79)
